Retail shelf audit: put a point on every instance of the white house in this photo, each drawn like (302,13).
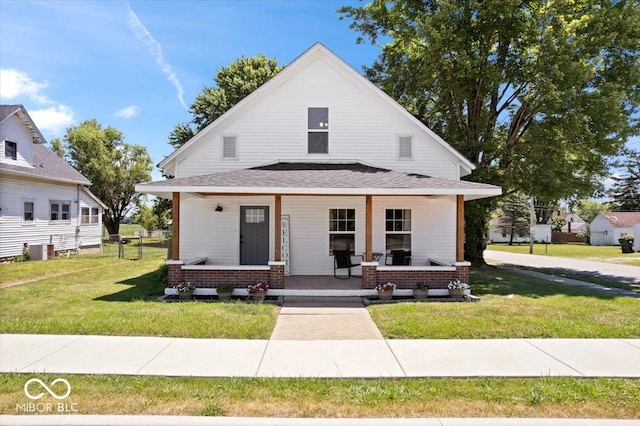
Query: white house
(541,234)
(608,227)
(636,240)
(315,160)
(43,200)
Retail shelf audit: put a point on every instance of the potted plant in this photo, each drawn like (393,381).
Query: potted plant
(457,288)
(626,243)
(185,290)
(259,291)
(224,291)
(420,290)
(385,291)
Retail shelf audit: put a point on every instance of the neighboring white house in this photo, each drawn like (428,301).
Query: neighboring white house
(636,240)
(608,227)
(43,200)
(315,160)
(541,234)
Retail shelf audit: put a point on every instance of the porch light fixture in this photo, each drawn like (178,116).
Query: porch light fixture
(219,208)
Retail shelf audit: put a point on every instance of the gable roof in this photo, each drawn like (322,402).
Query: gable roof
(46,164)
(622,219)
(320,178)
(7,111)
(302,61)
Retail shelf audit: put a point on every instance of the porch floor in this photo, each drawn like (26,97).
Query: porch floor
(321,282)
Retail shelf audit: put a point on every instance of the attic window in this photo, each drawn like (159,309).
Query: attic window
(405,148)
(318,130)
(10,150)
(229,147)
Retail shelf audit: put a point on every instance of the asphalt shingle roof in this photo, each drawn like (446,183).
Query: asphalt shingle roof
(622,219)
(319,175)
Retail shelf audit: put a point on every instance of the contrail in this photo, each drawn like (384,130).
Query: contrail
(155,49)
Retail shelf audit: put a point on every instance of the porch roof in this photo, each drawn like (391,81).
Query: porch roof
(296,178)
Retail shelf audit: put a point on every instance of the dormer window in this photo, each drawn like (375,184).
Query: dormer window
(10,150)
(318,131)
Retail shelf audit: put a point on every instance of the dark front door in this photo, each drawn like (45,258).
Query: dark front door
(254,235)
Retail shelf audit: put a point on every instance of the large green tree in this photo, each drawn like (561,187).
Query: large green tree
(232,84)
(113,166)
(537,93)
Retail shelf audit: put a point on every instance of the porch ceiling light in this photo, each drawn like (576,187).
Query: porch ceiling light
(219,208)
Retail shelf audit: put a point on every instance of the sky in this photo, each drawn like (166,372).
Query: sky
(138,65)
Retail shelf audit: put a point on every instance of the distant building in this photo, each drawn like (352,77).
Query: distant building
(608,227)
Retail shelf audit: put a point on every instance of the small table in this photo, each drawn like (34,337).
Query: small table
(375,256)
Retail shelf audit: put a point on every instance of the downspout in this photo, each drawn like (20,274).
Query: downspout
(78,219)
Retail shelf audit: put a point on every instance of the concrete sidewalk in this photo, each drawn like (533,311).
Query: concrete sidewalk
(63,354)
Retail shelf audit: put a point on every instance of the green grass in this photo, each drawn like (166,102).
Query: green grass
(109,296)
(513,306)
(610,254)
(488,397)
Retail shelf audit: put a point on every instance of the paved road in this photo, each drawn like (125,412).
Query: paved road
(610,271)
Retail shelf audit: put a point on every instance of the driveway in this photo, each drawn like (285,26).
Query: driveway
(611,271)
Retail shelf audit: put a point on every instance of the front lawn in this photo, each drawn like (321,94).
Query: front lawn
(342,398)
(105,295)
(609,254)
(513,305)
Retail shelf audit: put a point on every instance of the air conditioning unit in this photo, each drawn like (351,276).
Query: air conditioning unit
(38,251)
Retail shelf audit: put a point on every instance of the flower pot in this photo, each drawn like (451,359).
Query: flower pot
(225,295)
(456,292)
(385,295)
(420,293)
(185,294)
(258,295)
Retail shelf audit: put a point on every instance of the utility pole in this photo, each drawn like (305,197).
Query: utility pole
(532,224)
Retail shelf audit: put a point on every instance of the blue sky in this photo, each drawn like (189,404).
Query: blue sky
(138,65)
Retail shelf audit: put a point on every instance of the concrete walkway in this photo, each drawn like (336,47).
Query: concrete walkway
(324,318)
(319,358)
(610,271)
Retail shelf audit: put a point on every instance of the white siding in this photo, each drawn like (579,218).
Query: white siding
(598,227)
(14,232)
(362,127)
(216,235)
(12,129)
(636,235)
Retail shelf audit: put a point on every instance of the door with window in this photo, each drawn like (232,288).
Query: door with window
(254,235)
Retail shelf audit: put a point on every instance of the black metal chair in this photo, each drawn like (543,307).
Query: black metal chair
(399,258)
(342,260)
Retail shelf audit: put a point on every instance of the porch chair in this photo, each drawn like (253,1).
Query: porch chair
(342,260)
(398,258)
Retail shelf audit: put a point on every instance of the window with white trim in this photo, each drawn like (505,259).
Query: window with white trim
(89,216)
(405,147)
(28,211)
(60,210)
(229,147)
(317,130)
(10,150)
(342,229)
(397,229)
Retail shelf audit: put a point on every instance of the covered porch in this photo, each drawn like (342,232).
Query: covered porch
(303,209)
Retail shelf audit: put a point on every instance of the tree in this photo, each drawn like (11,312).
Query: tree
(588,210)
(514,220)
(113,166)
(536,94)
(625,191)
(232,84)
(145,217)
(57,147)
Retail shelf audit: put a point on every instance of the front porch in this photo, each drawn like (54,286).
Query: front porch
(206,277)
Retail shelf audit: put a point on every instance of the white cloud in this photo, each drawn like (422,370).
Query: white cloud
(15,83)
(128,112)
(53,120)
(155,49)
